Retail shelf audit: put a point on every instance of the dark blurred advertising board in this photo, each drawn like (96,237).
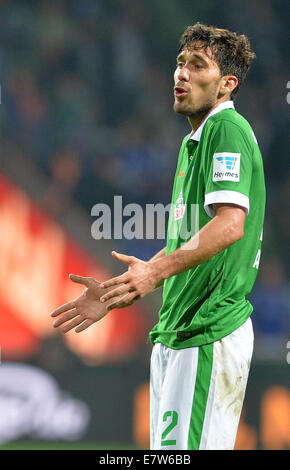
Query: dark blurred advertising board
(109,405)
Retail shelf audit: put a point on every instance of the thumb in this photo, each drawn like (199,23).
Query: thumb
(80,279)
(123,258)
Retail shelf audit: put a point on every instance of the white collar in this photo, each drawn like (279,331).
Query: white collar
(224,105)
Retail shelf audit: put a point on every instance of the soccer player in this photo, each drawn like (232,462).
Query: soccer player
(203,341)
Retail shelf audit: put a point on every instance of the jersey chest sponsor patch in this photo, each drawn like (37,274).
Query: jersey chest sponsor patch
(226,166)
(179,208)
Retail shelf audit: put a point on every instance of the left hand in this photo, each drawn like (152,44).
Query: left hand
(84,310)
(140,279)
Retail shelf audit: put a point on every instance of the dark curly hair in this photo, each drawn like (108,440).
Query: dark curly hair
(232,52)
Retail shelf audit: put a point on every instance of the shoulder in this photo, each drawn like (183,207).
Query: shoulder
(228,124)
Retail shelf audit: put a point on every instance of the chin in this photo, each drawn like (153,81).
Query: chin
(180,108)
(192,111)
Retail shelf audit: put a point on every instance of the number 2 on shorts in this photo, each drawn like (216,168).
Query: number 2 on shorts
(174,420)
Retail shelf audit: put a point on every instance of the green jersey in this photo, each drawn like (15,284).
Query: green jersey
(220,163)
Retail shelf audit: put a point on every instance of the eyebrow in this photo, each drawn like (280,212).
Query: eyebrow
(194,55)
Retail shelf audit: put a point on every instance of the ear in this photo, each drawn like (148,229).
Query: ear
(227,85)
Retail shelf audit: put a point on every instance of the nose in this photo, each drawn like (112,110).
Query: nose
(183,74)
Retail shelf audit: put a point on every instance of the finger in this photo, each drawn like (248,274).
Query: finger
(77,321)
(123,279)
(65,317)
(84,326)
(123,258)
(124,301)
(124,289)
(85,281)
(63,308)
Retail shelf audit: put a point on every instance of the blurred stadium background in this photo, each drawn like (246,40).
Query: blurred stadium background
(86,114)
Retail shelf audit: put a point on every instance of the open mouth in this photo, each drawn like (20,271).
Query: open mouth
(179,92)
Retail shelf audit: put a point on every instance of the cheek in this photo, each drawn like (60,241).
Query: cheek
(175,76)
(206,82)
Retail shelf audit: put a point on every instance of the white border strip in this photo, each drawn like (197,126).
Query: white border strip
(231,197)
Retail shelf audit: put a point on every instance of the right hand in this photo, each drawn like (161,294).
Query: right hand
(85,310)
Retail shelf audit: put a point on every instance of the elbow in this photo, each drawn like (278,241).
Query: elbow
(233,220)
(240,234)
(236,232)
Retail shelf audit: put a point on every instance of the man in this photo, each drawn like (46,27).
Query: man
(203,341)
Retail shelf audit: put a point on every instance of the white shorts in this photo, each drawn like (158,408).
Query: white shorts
(196,394)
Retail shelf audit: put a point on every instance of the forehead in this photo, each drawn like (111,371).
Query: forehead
(198,50)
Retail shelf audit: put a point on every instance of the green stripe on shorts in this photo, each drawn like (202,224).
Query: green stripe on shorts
(202,383)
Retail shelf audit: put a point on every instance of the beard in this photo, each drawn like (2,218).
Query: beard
(189,111)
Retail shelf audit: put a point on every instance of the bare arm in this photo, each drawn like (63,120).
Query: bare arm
(143,277)
(226,228)
(223,230)
(158,255)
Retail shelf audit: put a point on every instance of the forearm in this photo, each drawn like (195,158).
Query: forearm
(213,238)
(158,255)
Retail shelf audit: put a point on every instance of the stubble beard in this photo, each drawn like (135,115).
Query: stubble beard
(190,111)
(195,113)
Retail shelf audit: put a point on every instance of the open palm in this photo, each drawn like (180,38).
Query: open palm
(84,310)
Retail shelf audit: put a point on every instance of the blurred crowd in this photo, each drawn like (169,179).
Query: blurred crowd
(87,94)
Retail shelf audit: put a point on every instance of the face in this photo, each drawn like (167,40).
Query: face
(196,82)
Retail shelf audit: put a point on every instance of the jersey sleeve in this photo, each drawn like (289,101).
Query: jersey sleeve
(228,166)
